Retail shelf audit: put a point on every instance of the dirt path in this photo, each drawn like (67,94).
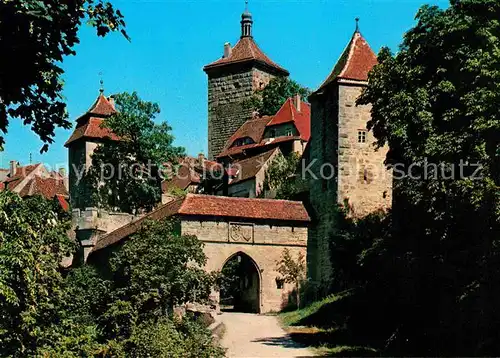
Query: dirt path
(251,335)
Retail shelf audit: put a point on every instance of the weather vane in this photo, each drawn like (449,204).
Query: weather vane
(246,5)
(101,82)
(357,24)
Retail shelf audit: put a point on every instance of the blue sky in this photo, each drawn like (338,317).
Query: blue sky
(173,39)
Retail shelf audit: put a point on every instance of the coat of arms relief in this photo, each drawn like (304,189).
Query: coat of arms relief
(241,232)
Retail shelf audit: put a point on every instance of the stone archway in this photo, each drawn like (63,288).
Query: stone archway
(240,284)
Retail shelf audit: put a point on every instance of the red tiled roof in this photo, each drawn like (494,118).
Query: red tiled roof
(249,167)
(355,63)
(215,206)
(63,202)
(263,143)
(102,107)
(246,50)
(91,129)
(185,176)
(47,187)
(289,113)
(21,173)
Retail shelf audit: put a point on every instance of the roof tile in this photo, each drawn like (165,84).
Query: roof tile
(215,206)
(246,50)
(355,63)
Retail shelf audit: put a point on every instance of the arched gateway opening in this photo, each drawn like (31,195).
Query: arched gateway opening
(240,284)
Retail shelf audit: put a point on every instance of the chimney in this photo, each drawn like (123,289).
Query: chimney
(297,101)
(13,168)
(65,179)
(227,50)
(111,100)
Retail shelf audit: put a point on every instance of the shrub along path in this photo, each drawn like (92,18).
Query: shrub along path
(252,335)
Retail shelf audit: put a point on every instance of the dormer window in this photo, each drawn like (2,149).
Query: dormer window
(361,136)
(242,141)
(273,133)
(289,132)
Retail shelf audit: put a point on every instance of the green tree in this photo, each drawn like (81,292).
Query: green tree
(37,35)
(283,178)
(292,270)
(271,98)
(126,175)
(154,271)
(33,241)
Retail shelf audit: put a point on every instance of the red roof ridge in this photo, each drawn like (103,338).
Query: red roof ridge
(235,198)
(246,49)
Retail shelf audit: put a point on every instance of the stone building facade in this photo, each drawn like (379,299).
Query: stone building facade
(348,168)
(232,80)
(259,229)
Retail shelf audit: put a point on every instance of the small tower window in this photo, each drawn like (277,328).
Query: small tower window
(280,283)
(361,136)
(289,133)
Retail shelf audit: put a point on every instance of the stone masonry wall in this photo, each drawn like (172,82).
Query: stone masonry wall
(263,243)
(360,176)
(323,187)
(226,112)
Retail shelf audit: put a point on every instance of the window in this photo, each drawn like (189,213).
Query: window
(289,133)
(280,283)
(273,133)
(361,136)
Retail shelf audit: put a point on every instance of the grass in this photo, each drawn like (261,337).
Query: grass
(293,318)
(321,326)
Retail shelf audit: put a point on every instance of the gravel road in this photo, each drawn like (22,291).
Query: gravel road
(251,335)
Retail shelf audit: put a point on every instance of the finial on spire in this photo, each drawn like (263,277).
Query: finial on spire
(246,5)
(101,82)
(357,24)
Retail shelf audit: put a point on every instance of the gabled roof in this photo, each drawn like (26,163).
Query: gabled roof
(21,173)
(289,113)
(46,187)
(92,129)
(255,128)
(214,206)
(356,61)
(248,168)
(102,107)
(246,50)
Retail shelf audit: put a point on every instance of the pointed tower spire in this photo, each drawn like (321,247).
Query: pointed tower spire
(246,22)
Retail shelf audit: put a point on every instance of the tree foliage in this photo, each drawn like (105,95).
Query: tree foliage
(33,241)
(126,175)
(47,311)
(269,100)
(283,178)
(37,35)
(292,270)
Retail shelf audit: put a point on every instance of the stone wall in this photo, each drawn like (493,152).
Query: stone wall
(264,244)
(322,192)
(364,180)
(360,175)
(227,91)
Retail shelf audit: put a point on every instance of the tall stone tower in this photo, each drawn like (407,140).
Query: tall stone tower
(340,141)
(242,70)
(88,134)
